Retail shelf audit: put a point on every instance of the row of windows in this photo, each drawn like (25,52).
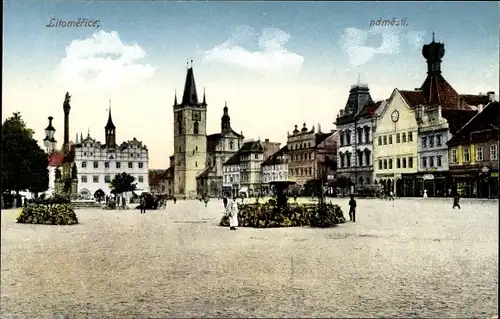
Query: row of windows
(430,141)
(272,177)
(364,159)
(479,154)
(300,146)
(107,179)
(98,145)
(400,163)
(111,157)
(428,161)
(118,164)
(400,138)
(345,137)
(302,171)
(231,178)
(301,157)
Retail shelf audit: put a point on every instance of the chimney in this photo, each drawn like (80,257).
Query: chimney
(491,96)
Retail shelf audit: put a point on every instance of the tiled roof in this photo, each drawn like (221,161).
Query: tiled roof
(156,176)
(413,98)
(56,159)
(437,91)
(320,137)
(370,109)
(457,118)
(233,160)
(271,160)
(488,118)
(204,173)
(471,99)
(252,147)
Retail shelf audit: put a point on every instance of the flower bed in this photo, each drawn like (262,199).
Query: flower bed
(267,216)
(51,211)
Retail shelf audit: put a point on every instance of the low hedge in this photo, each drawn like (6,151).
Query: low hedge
(48,214)
(268,215)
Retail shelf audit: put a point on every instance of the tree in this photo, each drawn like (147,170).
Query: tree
(24,163)
(123,183)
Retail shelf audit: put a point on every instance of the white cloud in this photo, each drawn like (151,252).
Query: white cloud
(353,42)
(102,61)
(416,39)
(273,58)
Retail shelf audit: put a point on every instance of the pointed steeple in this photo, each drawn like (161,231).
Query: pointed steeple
(225,120)
(204,98)
(175,98)
(110,125)
(81,137)
(110,130)
(190,96)
(88,132)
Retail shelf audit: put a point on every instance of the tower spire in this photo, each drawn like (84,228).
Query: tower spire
(433,36)
(175,98)
(109,130)
(204,97)
(110,125)
(190,96)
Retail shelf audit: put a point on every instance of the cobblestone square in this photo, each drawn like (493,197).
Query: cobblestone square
(407,258)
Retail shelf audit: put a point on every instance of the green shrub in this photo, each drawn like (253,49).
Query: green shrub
(48,214)
(268,215)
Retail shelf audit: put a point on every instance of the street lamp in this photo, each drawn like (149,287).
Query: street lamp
(49,140)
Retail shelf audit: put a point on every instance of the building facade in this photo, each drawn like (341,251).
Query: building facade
(231,179)
(307,150)
(190,139)
(473,153)
(395,143)
(355,125)
(97,163)
(275,169)
(220,147)
(242,171)
(440,111)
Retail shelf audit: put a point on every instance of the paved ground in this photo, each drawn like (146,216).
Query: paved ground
(410,258)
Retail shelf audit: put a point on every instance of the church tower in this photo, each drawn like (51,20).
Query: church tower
(225,121)
(110,131)
(190,139)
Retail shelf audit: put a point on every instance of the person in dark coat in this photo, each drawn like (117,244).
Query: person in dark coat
(175,200)
(456,201)
(224,201)
(352,209)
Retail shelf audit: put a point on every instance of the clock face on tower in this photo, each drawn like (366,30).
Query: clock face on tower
(395,116)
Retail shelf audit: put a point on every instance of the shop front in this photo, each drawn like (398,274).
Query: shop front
(476,183)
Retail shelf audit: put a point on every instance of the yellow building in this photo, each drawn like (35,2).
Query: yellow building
(395,150)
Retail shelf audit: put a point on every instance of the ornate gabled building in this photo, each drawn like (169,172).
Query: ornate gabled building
(473,153)
(98,163)
(307,149)
(356,124)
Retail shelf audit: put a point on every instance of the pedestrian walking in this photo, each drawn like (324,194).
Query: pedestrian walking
(142,205)
(456,201)
(175,200)
(224,201)
(206,200)
(352,209)
(232,213)
(425,193)
(391,195)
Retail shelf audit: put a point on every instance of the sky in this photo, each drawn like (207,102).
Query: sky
(276,64)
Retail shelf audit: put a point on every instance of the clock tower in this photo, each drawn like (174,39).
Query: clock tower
(190,139)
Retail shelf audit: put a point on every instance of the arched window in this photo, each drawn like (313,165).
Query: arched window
(231,145)
(196,128)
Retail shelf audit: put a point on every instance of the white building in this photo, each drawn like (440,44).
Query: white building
(275,168)
(98,163)
(231,176)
